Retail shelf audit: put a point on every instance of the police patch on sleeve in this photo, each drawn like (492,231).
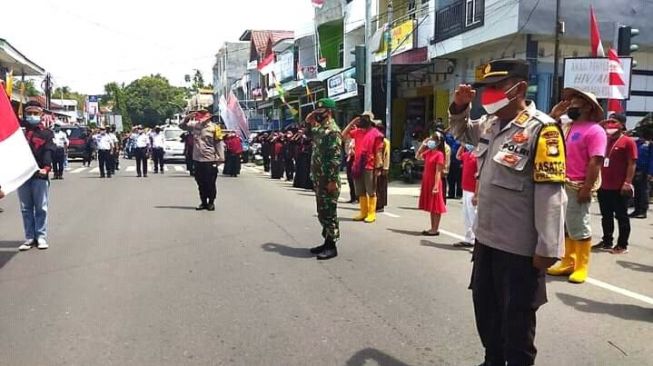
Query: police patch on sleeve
(549,164)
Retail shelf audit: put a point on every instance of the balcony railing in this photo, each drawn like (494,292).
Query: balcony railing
(457,18)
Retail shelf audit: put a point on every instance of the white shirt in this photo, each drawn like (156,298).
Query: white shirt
(158,140)
(60,139)
(113,137)
(142,140)
(103,142)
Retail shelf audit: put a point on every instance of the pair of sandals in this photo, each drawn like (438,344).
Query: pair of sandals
(428,233)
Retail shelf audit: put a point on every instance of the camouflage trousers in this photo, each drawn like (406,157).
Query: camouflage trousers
(327,212)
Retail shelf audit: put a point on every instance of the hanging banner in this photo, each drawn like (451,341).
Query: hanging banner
(402,40)
(592,75)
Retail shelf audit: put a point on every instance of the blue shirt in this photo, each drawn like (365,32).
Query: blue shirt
(644,156)
(453,144)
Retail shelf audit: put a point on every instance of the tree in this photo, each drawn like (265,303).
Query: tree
(30,88)
(198,80)
(115,98)
(150,100)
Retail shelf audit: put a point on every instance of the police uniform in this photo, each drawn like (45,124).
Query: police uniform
(325,168)
(521,171)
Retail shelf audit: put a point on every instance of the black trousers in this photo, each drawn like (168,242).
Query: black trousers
(507,291)
(141,161)
(290,168)
(206,174)
(350,181)
(157,159)
(190,166)
(58,159)
(641,192)
(266,163)
(104,161)
(111,163)
(614,205)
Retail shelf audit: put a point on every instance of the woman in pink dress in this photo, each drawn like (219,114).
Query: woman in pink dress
(431,198)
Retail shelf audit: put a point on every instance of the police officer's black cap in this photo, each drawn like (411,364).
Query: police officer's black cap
(500,70)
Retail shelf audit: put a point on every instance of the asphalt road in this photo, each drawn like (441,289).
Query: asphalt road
(135,276)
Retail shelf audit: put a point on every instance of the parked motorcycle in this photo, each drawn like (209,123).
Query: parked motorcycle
(411,168)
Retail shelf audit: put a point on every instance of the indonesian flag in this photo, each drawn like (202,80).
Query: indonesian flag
(317,3)
(267,64)
(616,82)
(595,36)
(17,163)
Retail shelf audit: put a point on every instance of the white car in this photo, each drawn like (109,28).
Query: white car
(173,148)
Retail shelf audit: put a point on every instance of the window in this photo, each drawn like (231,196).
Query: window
(473,12)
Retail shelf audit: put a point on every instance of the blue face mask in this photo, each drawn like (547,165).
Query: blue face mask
(469,147)
(33,120)
(431,144)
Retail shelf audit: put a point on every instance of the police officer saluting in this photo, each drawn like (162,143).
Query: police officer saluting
(208,151)
(521,206)
(325,173)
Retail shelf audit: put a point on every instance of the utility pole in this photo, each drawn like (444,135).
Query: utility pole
(559,28)
(368,56)
(388,76)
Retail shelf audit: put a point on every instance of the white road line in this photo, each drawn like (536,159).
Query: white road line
(78,170)
(179,168)
(591,281)
(8,250)
(94,170)
(130,169)
(390,215)
(620,290)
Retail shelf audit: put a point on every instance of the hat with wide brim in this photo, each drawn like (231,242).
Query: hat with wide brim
(597,115)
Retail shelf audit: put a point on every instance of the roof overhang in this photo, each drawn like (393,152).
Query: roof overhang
(12,59)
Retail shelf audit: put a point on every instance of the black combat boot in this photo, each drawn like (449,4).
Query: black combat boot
(330,250)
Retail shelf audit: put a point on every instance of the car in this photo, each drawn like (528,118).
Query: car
(77,136)
(173,148)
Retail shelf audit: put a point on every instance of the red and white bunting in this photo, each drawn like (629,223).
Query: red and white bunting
(616,82)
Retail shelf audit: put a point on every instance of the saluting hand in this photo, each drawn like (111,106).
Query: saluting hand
(464,95)
(560,109)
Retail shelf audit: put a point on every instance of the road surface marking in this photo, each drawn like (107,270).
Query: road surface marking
(620,290)
(591,281)
(130,169)
(390,215)
(179,168)
(78,170)
(8,250)
(94,170)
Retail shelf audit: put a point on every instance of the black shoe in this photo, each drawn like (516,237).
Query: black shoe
(327,253)
(633,214)
(640,216)
(138,176)
(61,177)
(102,176)
(202,206)
(210,207)
(109,176)
(318,249)
(144,175)
(602,246)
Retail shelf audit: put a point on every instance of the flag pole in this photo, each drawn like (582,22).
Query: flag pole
(555,92)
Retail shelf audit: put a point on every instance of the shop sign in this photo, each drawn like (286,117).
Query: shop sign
(286,66)
(402,40)
(342,85)
(591,74)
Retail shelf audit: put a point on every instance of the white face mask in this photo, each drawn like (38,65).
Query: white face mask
(611,131)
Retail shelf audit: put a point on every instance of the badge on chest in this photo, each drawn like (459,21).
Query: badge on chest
(514,152)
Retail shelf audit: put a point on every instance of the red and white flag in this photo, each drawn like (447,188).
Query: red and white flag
(318,3)
(17,163)
(266,65)
(595,36)
(616,82)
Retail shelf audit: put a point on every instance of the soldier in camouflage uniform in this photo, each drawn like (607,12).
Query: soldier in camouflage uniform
(325,173)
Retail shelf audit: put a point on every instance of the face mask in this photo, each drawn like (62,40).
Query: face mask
(611,131)
(573,113)
(469,147)
(431,144)
(494,100)
(319,118)
(33,120)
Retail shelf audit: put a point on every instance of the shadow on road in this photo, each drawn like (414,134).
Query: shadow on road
(5,257)
(636,266)
(623,311)
(287,251)
(362,357)
(426,243)
(177,207)
(406,232)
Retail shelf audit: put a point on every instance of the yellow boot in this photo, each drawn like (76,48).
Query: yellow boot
(371,210)
(362,200)
(566,265)
(583,249)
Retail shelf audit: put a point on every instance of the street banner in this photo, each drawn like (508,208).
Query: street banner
(17,163)
(592,74)
(342,85)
